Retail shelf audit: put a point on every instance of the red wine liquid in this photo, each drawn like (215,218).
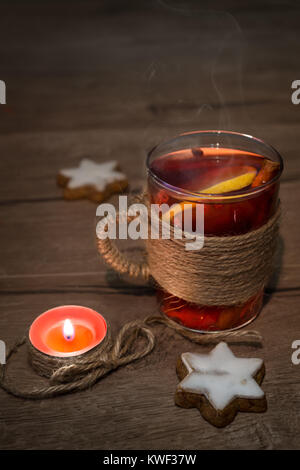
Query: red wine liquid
(195,170)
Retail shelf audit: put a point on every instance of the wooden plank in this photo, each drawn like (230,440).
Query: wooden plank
(30,161)
(58,237)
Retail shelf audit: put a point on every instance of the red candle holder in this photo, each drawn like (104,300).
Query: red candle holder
(49,332)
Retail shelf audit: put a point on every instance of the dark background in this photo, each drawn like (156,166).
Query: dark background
(110,79)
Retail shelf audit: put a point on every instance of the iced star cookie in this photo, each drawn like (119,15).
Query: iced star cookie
(220,384)
(94,181)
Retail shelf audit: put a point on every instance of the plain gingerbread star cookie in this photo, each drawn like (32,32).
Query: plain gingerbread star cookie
(91,180)
(220,384)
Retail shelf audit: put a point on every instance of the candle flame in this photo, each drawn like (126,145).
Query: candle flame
(68,330)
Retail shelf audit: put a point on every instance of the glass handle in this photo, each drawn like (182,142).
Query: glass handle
(113,256)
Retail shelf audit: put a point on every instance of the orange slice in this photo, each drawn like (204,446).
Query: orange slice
(175,209)
(230,185)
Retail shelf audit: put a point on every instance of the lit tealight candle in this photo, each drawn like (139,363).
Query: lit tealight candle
(67,331)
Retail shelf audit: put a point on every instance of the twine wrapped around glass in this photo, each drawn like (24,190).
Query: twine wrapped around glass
(235,178)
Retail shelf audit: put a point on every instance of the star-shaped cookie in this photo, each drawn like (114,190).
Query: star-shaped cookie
(91,180)
(220,384)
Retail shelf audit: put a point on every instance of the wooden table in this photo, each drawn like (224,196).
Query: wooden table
(110,80)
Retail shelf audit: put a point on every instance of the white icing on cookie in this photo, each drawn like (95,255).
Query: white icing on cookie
(89,173)
(221,376)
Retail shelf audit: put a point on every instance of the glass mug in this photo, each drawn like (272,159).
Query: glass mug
(236,177)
